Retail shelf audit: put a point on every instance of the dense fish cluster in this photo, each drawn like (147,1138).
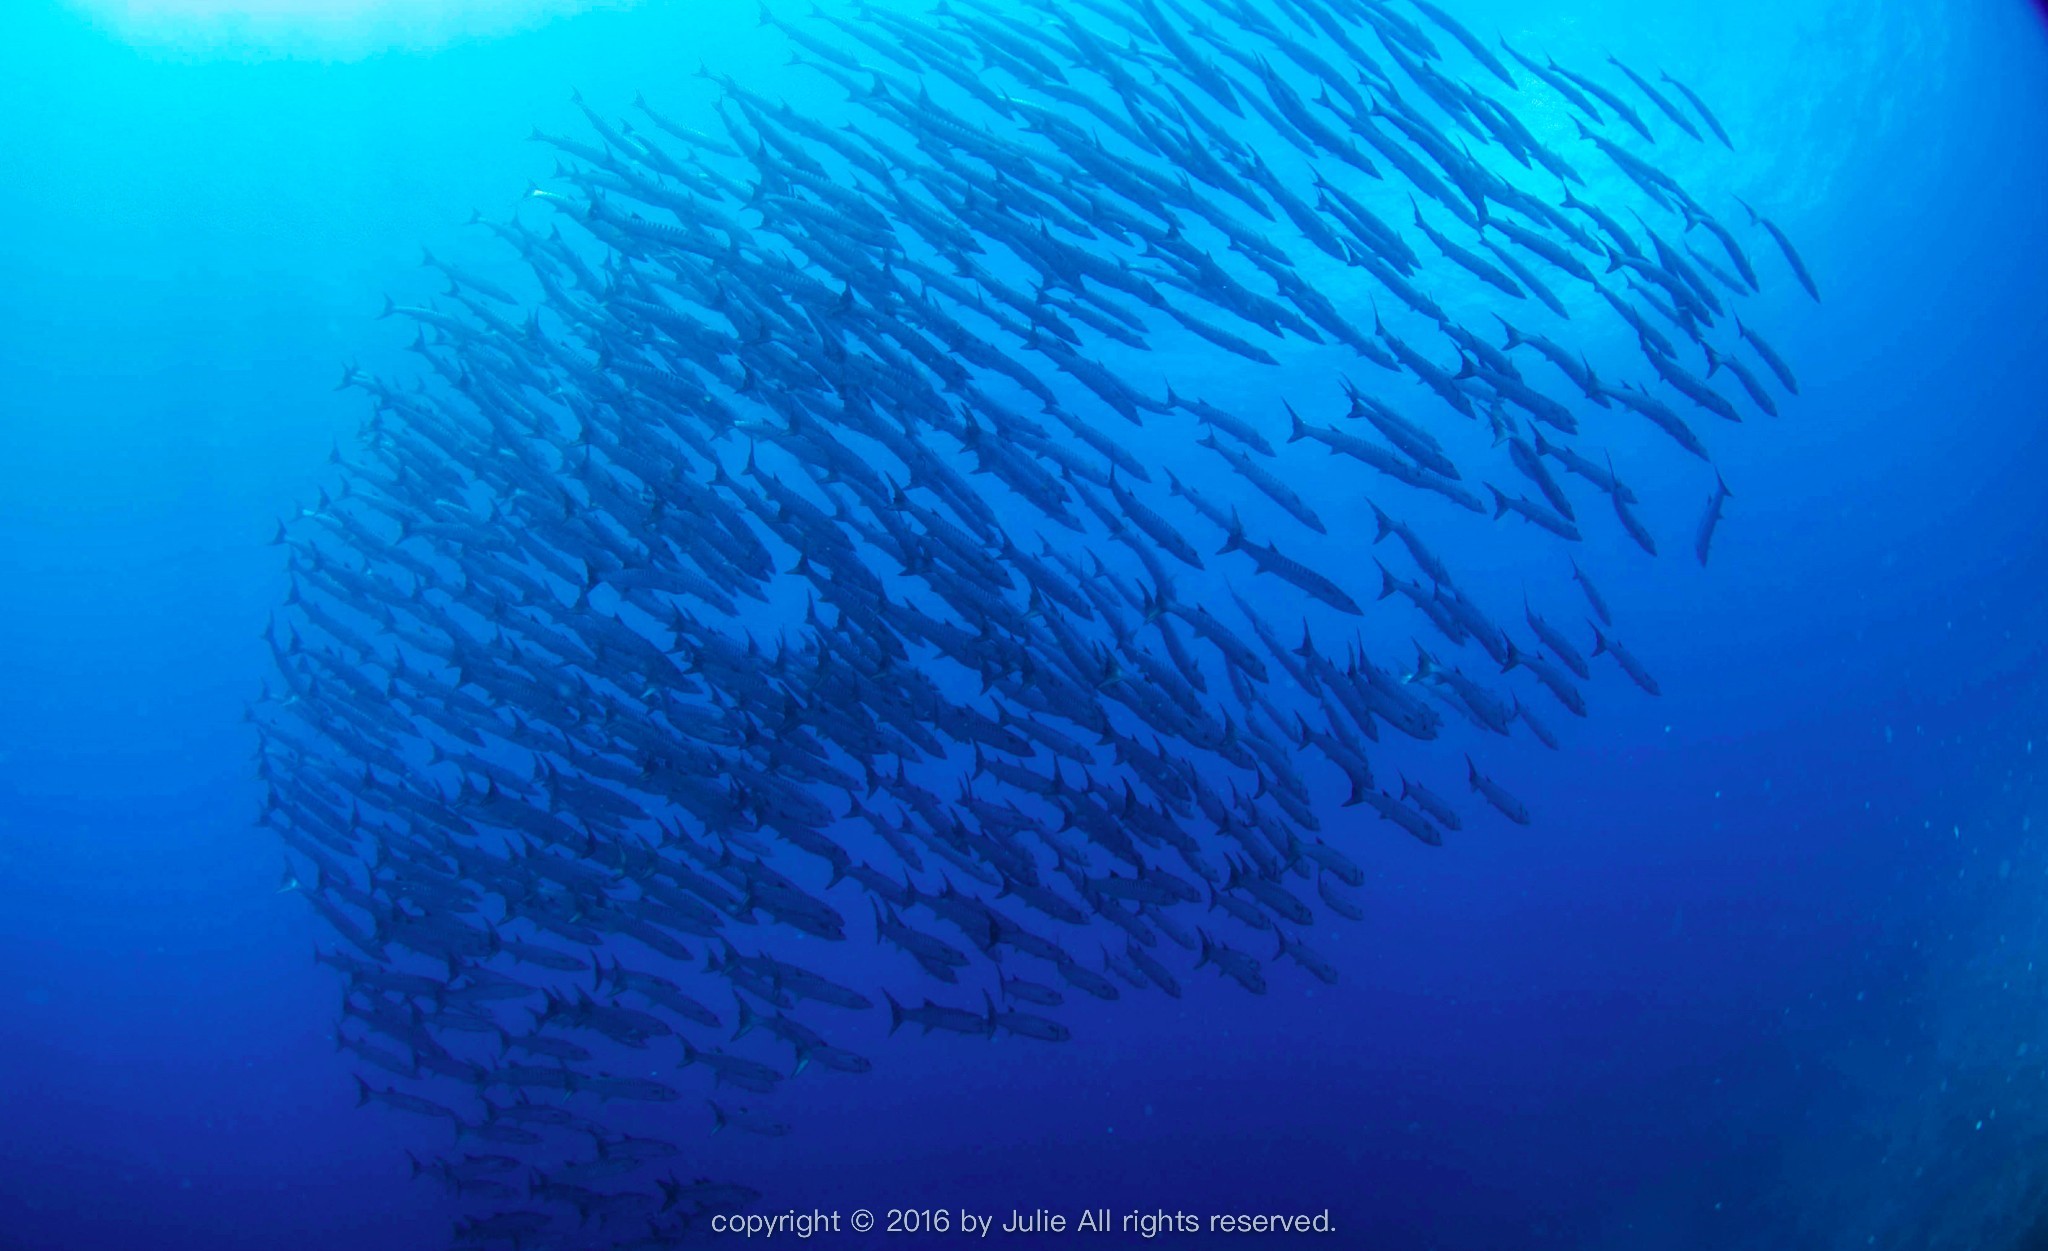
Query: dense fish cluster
(824,554)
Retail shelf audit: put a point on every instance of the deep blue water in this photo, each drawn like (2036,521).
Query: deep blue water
(1762,975)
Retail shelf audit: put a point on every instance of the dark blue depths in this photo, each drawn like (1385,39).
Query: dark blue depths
(893,407)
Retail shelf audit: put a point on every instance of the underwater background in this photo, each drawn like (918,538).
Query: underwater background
(1761,973)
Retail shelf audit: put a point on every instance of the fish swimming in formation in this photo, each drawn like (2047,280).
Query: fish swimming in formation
(1792,257)
(1711,519)
(1699,106)
(799,531)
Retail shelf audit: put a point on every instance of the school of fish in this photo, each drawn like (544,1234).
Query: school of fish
(809,553)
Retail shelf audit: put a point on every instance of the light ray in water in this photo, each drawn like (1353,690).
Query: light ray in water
(325,29)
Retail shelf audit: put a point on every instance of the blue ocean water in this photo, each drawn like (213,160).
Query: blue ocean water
(1761,975)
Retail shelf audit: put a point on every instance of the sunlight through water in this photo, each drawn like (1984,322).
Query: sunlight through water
(326,29)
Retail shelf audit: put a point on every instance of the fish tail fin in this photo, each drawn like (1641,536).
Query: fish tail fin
(1235,540)
(1388,584)
(1296,430)
(1384,523)
(1599,641)
(1500,502)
